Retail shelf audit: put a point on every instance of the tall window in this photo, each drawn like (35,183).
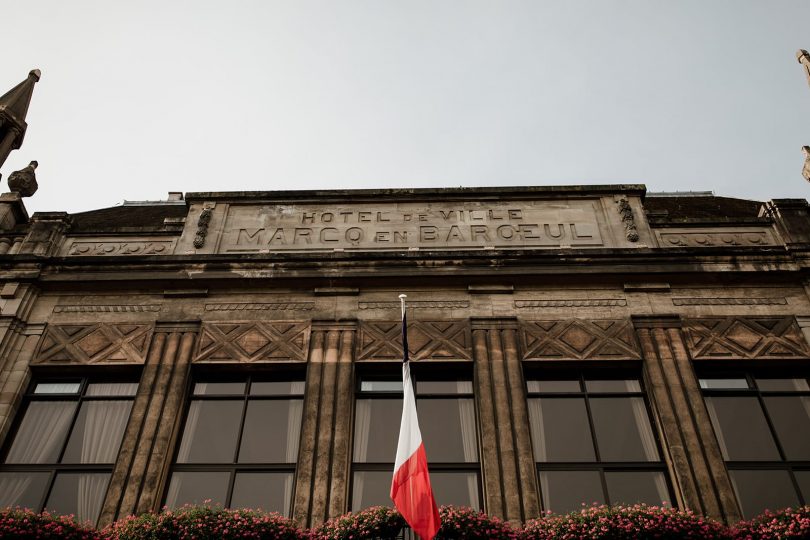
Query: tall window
(447,422)
(763,428)
(239,445)
(593,443)
(64,448)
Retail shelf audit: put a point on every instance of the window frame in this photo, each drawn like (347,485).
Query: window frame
(753,390)
(380,373)
(581,376)
(54,469)
(234,467)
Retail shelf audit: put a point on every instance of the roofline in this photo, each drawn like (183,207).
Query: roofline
(399,193)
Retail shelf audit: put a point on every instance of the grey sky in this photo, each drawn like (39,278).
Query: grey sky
(141,98)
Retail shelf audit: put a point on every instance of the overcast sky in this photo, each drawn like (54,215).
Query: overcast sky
(141,98)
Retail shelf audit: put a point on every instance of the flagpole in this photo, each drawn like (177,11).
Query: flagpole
(410,486)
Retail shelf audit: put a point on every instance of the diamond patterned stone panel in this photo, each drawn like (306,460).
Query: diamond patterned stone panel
(437,340)
(579,339)
(254,341)
(745,338)
(94,343)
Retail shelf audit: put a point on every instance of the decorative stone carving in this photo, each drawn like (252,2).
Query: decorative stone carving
(418,304)
(261,306)
(202,228)
(94,344)
(108,309)
(630,230)
(435,340)
(155,247)
(806,168)
(745,338)
(570,302)
(579,339)
(683,238)
(24,181)
(248,342)
(776,301)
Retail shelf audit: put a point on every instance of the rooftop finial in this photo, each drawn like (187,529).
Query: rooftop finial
(13,110)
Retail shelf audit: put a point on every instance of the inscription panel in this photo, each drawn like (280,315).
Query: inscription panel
(398,226)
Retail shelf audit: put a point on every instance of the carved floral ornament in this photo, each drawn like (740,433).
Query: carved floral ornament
(90,249)
(629,221)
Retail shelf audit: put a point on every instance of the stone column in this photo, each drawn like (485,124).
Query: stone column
(508,468)
(322,479)
(691,450)
(18,342)
(145,454)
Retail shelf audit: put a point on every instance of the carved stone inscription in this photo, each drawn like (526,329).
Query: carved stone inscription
(412,225)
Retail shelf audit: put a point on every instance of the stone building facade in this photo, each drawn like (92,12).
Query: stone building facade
(570,344)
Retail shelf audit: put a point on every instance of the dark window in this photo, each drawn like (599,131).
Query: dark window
(239,445)
(762,426)
(447,413)
(65,445)
(594,444)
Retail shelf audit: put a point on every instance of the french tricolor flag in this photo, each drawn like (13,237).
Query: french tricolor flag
(410,488)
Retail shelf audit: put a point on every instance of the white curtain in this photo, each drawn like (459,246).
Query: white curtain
(12,488)
(294,429)
(716,423)
(92,488)
(297,388)
(644,429)
(104,426)
(174,490)
(466,414)
(538,429)
(42,432)
(188,433)
(661,487)
(57,388)
(362,426)
(288,489)
(112,389)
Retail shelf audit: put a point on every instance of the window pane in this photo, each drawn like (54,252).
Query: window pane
(381,386)
(790,416)
(218,388)
(623,385)
(553,386)
(560,430)
(783,385)
(723,384)
(741,429)
(78,494)
(197,487)
(97,432)
(210,432)
(58,388)
(23,489)
(376,430)
(112,389)
(444,387)
(637,487)
(277,388)
(450,435)
(371,488)
(758,491)
(803,478)
(623,430)
(42,432)
(456,488)
(271,492)
(564,491)
(271,433)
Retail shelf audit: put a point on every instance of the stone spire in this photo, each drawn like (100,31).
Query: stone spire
(13,109)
